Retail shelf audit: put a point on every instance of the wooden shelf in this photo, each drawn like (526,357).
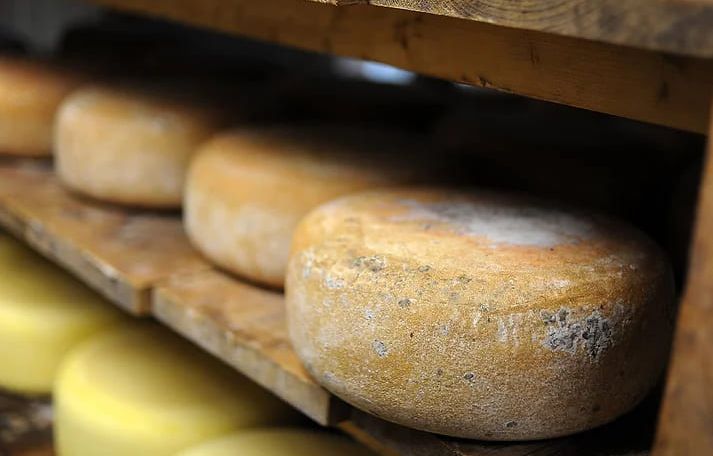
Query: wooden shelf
(143,263)
(640,70)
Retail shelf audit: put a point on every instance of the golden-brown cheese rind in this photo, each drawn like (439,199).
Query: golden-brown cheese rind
(480,316)
(30,93)
(246,190)
(129,146)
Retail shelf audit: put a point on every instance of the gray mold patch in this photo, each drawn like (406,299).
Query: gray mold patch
(380,348)
(567,334)
(373,263)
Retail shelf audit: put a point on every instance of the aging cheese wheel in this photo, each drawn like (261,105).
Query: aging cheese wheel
(30,93)
(478,315)
(139,390)
(278,441)
(129,146)
(44,312)
(247,189)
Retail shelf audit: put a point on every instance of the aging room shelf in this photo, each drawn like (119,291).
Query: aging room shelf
(142,262)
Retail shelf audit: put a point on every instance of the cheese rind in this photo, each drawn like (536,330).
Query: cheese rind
(44,313)
(247,189)
(30,94)
(128,146)
(141,390)
(278,441)
(478,315)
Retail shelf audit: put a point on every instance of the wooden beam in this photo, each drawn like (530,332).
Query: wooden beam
(623,81)
(686,420)
(678,27)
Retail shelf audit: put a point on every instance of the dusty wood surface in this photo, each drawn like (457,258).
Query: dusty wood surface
(639,84)
(675,26)
(244,326)
(25,426)
(115,251)
(686,422)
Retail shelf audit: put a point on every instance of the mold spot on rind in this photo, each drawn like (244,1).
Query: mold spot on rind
(469,377)
(511,424)
(373,263)
(380,348)
(564,333)
(405,302)
(333,283)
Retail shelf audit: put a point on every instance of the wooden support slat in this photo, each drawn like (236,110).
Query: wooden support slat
(686,421)
(244,326)
(116,252)
(624,81)
(673,26)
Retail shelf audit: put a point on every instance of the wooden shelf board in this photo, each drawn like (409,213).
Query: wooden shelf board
(244,326)
(115,251)
(152,270)
(640,84)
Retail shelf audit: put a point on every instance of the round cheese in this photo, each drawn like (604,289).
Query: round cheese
(247,190)
(44,312)
(128,146)
(30,93)
(478,315)
(278,441)
(140,390)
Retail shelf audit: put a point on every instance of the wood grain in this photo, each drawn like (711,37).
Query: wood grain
(639,84)
(244,326)
(25,426)
(686,421)
(673,26)
(119,253)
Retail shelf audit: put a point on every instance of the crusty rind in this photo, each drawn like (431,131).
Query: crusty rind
(419,321)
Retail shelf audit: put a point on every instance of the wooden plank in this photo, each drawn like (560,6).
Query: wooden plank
(672,26)
(115,251)
(686,421)
(244,326)
(25,426)
(638,84)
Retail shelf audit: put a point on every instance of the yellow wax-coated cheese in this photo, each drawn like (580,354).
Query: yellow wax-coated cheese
(30,93)
(129,146)
(247,189)
(140,390)
(278,441)
(44,312)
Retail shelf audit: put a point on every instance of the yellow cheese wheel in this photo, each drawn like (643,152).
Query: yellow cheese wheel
(44,312)
(30,93)
(247,189)
(129,146)
(140,390)
(278,442)
(478,315)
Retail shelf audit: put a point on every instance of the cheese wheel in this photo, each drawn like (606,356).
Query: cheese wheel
(278,441)
(247,190)
(30,93)
(478,315)
(140,390)
(44,312)
(128,146)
